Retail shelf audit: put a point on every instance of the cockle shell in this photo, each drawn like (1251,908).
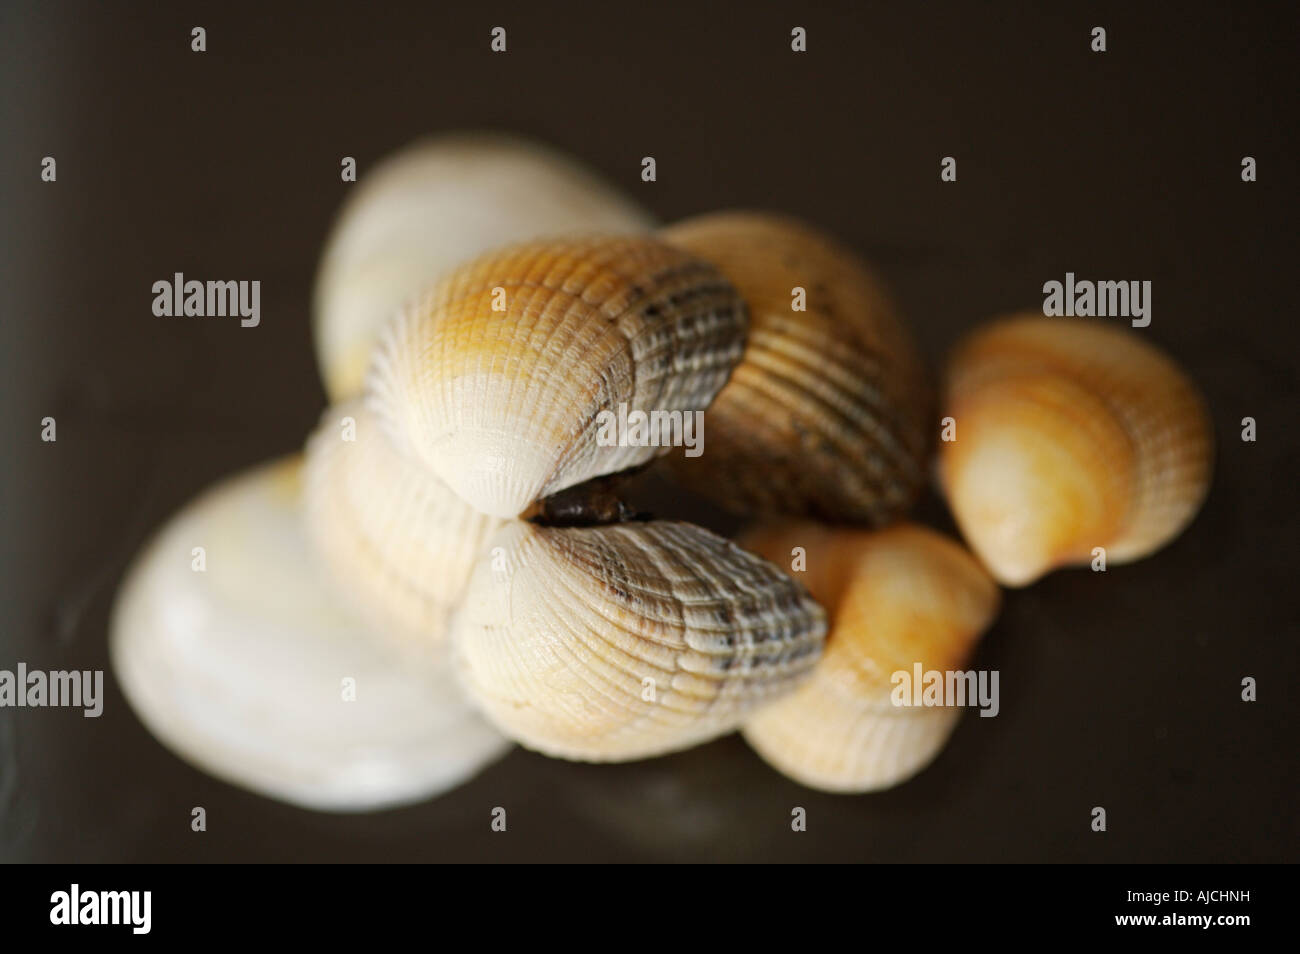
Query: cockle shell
(630,640)
(829,414)
(895,597)
(1070,435)
(240,668)
(430,207)
(498,378)
(397,541)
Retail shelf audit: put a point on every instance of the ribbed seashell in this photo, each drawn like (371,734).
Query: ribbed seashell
(630,640)
(397,541)
(239,668)
(497,380)
(829,414)
(432,206)
(1071,435)
(895,598)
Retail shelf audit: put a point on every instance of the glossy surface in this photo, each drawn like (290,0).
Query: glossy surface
(240,657)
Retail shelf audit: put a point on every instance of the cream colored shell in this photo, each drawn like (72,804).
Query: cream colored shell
(397,542)
(627,641)
(239,668)
(1071,435)
(428,208)
(895,598)
(499,378)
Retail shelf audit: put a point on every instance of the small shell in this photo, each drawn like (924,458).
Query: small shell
(829,413)
(397,541)
(499,378)
(240,668)
(631,640)
(1070,435)
(895,597)
(431,206)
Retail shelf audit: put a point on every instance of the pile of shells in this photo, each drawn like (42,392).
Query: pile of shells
(452,564)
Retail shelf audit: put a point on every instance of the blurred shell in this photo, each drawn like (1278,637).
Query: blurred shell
(566,634)
(1070,435)
(829,414)
(428,208)
(895,597)
(397,541)
(504,405)
(239,670)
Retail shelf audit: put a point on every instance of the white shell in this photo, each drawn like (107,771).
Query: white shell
(622,642)
(398,543)
(240,668)
(432,206)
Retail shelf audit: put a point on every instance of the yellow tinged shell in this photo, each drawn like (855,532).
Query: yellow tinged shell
(627,641)
(895,598)
(1071,435)
(498,378)
(829,414)
(430,207)
(394,538)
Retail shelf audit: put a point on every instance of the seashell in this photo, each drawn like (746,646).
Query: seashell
(430,207)
(499,378)
(829,413)
(239,669)
(1070,436)
(895,598)
(630,640)
(394,538)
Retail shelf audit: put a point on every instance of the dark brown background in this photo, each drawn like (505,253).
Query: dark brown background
(1120,690)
